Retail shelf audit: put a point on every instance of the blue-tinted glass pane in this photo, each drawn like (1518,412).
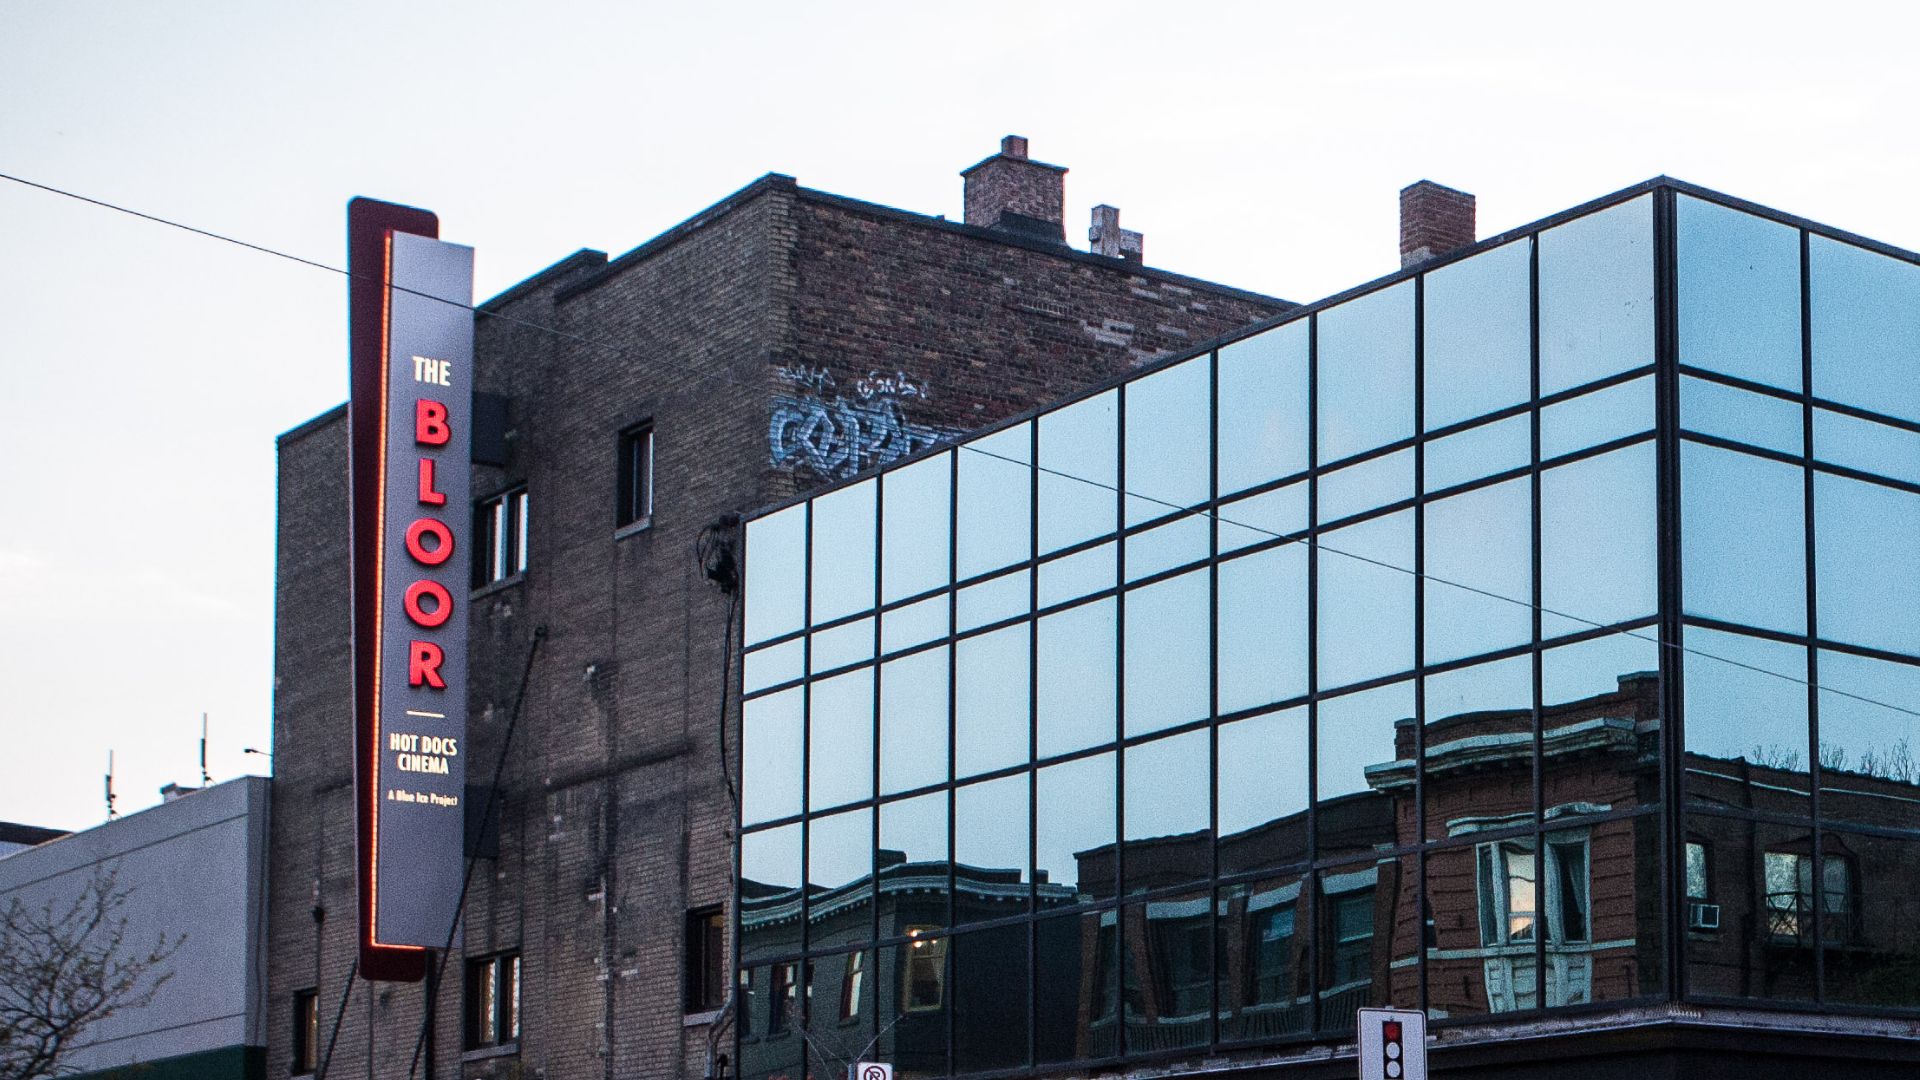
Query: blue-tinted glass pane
(1264,932)
(1591,419)
(1746,720)
(1366,600)
(1477,452)
(1604,665)
(1743,538)
(1852,443)
(1869,931)
(1867,544)
(1365,372)
(843,544)
(1366,486)
(1479,746)
(1079,471)
(1360,739)
(1603,695)
(1865,331)
(916,527)
(1596,296)
(1169,807)
(1869,741)
(1263,407)
(1073,576)
(913,721)
(1597,541)
(770,862)
(839,856)
(771,738)
(1739,294)
(1479,565)
(1478,351)
(993,600)
(990,1008)
(1259,518)
(995,500)
(990,703)
(915,624)
(1263,791)
(1263,628)
(776,574)
(772,666)
(1168,430)
(1076,678)
(1715,409)
(1075,829)
(848,643)
(1178,542)
(990,846)
(840,739)
(1167,652)
(913,833)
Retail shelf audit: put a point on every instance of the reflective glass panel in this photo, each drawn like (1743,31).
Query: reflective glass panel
(1366,600)
(915,624)
(1478,351)
(1591,419)
(770,891)
(1763,945)
(1867,543)
(1264,943)
(1743,538)
(990,1014)
(1077,684)
(1074,830)
(771,737)
(913,836)
(772,666)
(913,721)
(1364,751)
(1073,576)
(840,859)
(1596,295)
(1712,408)
(1179,542)
(1628,661)
(1477,452)
(844,535)
(993,600)
(1167,652)
(918,976)
(1259,518)
(990,703)
(990,848)
(1263,791)
(1866,920)
(1853,443)
(1169,975)
(1263,407)
(1479,747)
(1869,741)
(840,740)
(1457,947)
(1746,722)
(1364,370)
(1355,934)
(1597,540)
(1479,566)
(1864,333)
(776,574)
(1739,293)
(1370,484)
(1079,471)
(995,501)
(1169,811)
(1076,973)
(1263,628)
(916,527)
(1169,428)
(848,643)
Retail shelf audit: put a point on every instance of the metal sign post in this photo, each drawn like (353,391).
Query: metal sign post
(1393,1044)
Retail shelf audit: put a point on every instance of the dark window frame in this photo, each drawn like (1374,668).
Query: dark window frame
(500,537)
(704,964)
(635,460)
(306,1031)
(491,1005)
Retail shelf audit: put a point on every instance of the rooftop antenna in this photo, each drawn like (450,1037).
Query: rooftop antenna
(111,812)
(205,779)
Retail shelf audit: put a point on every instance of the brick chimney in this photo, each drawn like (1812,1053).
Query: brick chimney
(1010,192)
(1106,237)
(1433,221)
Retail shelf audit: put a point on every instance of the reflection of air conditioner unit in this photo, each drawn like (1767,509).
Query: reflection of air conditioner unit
(1701,916)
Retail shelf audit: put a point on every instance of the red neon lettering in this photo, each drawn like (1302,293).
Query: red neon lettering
(423,665)
(417,534)
(428,496)
(442,603)
(430,423)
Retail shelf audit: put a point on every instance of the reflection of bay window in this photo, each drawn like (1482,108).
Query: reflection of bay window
(1510,892)
(1182,958)
(1270,956)
(1352,959)
(923,976)
(1790,899)
(853,981)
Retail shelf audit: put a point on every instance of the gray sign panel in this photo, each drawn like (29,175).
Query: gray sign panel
(420,729)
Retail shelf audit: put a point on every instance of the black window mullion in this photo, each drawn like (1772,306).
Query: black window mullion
(1217,961)
(1419,891)
(1672,666)
(1813,624)
(1033,737)
(1536,569)
(1309,899)
(1120,726)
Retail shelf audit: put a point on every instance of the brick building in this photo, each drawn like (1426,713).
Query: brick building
(781,338)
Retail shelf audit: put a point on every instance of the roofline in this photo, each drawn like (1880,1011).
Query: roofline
(983,162)
(308,427)
(769,182)
(579,259)
(12,832)
(1626,194)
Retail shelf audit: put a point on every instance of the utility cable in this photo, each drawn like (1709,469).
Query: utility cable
(473,860)
(1311,542)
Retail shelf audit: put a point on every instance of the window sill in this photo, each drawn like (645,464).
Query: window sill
(492,587)
(633,528)
(700,1019)
(486,1052)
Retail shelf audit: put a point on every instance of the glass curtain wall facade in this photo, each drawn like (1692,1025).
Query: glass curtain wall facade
(1324,669)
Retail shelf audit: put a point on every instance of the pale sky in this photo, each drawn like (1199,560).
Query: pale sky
(144,372)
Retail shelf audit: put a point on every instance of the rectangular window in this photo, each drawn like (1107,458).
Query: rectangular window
(1181,965)
(634,503)
(783,998)
(493,1001)
(1270,967)
(853,984)
(306,1031)
(924,978)
(1352,959)
(500,537)
(1790,902)
(1510,891)
(743,1007)
(706,960)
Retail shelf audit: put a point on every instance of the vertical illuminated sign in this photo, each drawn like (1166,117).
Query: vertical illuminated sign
(410,434)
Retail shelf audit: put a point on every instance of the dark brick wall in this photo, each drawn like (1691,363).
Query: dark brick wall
(777,303)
